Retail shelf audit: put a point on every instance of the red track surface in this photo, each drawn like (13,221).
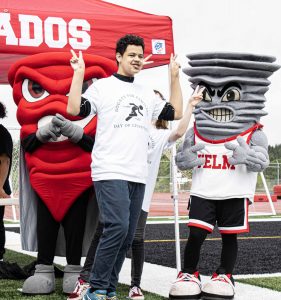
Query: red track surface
(163,205)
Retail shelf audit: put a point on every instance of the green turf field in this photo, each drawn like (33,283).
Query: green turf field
(8,288)
(273,283)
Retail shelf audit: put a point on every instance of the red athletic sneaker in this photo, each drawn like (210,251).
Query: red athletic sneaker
(79,291)
(135,293)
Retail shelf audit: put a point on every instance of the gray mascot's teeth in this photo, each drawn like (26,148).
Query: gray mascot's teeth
(220,114)
(236,84)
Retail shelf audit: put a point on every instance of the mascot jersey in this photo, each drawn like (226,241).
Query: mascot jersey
(217,179)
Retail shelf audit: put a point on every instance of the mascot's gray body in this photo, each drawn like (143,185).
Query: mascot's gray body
(226,120)
(233,102)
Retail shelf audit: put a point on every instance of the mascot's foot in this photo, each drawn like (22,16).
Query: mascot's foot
(186,286)
(70,277)
(42,282)
(221,286)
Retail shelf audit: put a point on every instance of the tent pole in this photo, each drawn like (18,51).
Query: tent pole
(268,194)
(174,195)
(176,208)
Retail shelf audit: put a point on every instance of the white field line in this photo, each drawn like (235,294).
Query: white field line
(158,279)
(170,220)
(266,275)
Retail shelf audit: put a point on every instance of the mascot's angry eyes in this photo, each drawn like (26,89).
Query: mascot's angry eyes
(218,110)
(227,93)
(231,95)
(32,91)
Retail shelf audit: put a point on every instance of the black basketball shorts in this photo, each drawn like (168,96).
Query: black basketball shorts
(230,215)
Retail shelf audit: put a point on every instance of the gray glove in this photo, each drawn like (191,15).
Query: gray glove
(47,133)
(68,129)
(254,158)
(187,157)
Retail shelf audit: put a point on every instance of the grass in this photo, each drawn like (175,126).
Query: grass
(11,222)
(8,288)
(185,218)
(273,283)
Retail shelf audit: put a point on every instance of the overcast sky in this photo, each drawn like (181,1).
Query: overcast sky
(219,25)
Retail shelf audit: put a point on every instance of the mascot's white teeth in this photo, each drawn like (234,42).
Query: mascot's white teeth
(220,114)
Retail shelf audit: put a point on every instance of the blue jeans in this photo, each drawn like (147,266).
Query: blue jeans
(120,205)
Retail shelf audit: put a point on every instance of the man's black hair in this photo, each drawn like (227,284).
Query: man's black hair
(126,40)
(3,112)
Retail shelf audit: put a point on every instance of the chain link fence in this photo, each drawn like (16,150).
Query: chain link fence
(272,175)
(164,181)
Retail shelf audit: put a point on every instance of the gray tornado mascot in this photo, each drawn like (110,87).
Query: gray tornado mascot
(226,149)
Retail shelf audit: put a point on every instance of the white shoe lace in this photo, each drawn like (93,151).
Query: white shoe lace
(188,277)
(225,278)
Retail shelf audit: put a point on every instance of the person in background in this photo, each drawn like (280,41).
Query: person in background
(119,156)
(6,151)
(160,139)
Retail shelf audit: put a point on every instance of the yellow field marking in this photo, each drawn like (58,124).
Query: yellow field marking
(217,239)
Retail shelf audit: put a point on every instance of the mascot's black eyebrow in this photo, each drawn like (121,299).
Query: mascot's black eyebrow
(228,85)
(208,87)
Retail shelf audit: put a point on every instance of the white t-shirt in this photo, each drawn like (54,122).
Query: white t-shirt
(124,111)
(158,142)
(217,179)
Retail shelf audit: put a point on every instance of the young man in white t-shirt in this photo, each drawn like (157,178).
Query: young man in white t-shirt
(119,157)
(160,139)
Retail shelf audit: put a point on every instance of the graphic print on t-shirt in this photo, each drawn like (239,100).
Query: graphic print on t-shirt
(132,112)
(136,109)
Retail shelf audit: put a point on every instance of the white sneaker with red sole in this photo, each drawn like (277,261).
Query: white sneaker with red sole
(186,286)
(221,286)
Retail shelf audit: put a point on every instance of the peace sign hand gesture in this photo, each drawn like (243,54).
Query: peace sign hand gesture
(174,66)
(77,63)
(146,60)
(197,96)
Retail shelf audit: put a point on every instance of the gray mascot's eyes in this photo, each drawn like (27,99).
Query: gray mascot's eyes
(231,95)
(206,96)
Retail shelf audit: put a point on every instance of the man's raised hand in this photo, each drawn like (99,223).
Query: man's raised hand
(77,62)
(146,60)
(174,66)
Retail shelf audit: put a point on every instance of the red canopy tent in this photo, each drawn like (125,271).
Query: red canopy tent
(29,27)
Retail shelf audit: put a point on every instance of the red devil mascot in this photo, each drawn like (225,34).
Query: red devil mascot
(56,195)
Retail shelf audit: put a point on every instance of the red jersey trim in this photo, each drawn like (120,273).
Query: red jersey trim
(251,130)
(191,224)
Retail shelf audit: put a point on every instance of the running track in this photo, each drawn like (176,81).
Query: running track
(259,251)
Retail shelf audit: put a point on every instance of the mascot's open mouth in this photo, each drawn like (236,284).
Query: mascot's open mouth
(219,114)
(82,123)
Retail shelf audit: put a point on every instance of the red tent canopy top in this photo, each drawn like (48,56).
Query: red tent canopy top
(93,26)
